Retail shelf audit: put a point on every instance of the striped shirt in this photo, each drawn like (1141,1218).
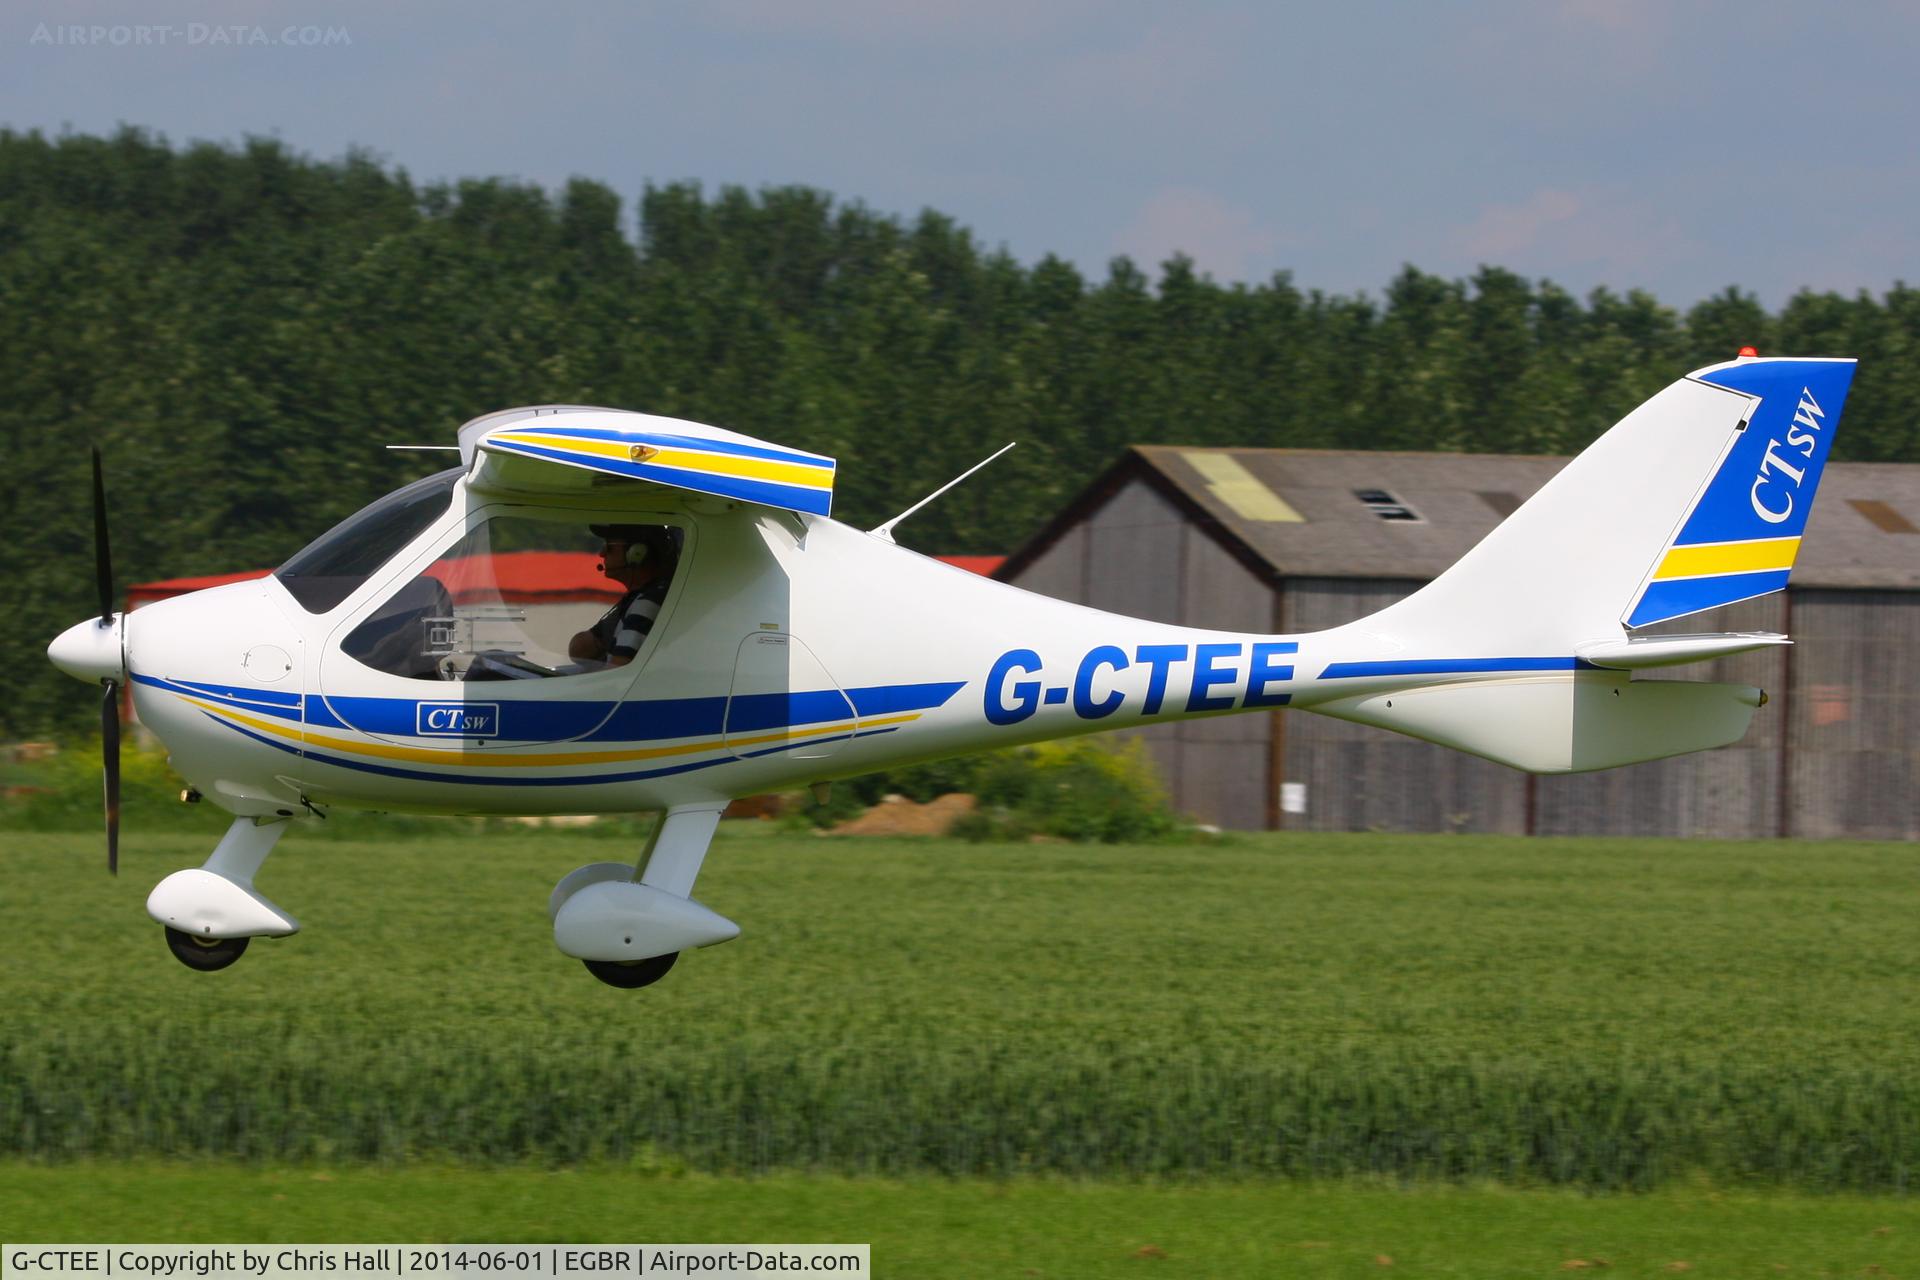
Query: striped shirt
(625,627)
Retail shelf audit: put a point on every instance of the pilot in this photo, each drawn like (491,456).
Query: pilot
(641,558)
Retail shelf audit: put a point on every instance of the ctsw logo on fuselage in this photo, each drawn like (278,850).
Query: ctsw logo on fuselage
(1215,677)
(456,720)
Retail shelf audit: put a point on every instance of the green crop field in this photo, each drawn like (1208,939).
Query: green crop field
(1600,1016)
(969,1228)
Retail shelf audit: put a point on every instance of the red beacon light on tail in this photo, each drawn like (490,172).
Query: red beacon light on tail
(1747,353)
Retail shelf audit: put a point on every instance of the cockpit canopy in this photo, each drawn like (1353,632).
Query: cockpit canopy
(523,595)
(331,567)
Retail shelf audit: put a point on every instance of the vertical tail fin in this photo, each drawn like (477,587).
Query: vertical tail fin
(1740,537)
(1695,499)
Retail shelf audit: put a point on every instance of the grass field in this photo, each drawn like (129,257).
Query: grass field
(1022,1227)
(1190,1020)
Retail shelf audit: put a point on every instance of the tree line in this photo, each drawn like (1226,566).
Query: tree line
(242,329)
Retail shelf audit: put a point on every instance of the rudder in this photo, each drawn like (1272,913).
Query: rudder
(1740,537)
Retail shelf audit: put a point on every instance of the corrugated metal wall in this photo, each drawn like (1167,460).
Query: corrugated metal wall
(1854,715)
(1138,555)
(1225,762)
(1363,779)
(1844,701)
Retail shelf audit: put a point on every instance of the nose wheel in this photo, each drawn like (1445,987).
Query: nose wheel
(631,974)
(205,954)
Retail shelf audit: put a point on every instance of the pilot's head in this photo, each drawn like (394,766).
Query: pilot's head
(635,554)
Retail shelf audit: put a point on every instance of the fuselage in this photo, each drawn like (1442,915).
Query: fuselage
(790,649)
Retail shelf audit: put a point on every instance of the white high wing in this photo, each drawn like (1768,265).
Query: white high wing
(754,645)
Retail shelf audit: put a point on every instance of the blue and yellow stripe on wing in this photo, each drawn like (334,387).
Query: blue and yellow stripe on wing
(754,473)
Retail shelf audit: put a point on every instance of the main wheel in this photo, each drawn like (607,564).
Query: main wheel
(205,954)
(632,974)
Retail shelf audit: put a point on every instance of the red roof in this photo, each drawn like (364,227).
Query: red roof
(147,592)
(524,577)
(982,565)
(527,577)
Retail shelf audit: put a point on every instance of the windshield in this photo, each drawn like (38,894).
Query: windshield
(524,597)
(329,568)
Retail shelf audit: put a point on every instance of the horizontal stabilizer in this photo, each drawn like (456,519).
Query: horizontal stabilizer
(1640,652)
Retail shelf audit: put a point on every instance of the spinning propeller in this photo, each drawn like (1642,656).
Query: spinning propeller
(110,701)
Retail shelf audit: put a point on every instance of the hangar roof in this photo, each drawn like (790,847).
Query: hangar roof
(1325,513)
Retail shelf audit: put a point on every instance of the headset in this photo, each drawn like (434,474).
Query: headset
(645,543)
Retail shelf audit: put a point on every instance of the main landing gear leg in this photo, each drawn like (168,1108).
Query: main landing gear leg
(210,912)
(629,924)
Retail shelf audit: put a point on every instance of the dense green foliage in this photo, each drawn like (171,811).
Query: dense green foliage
(242,330)
(1099,788)
(1591,1013)
(63,793)
(1094,788)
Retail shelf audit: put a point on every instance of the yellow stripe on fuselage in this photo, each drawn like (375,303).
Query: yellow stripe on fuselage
(544,759)
(724,464)
(1728,557)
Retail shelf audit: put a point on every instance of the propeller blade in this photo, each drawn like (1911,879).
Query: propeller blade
(110,699)
(102,557)
(110,769)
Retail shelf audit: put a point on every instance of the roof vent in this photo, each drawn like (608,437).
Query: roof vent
(1385,505)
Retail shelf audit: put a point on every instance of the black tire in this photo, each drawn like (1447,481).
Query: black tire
(632,974)
(205,954)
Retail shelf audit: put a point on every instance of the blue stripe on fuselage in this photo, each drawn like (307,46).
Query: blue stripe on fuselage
(1450,666)
(558,720)
(285,706)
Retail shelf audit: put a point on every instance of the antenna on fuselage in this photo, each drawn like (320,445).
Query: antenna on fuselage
(886,530)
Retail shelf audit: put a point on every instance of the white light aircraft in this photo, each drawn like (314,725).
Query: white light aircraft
(754,645)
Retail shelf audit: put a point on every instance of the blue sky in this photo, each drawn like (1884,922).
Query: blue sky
(1678,148)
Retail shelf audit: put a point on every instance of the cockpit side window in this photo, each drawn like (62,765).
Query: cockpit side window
(332,566)
(520,598)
